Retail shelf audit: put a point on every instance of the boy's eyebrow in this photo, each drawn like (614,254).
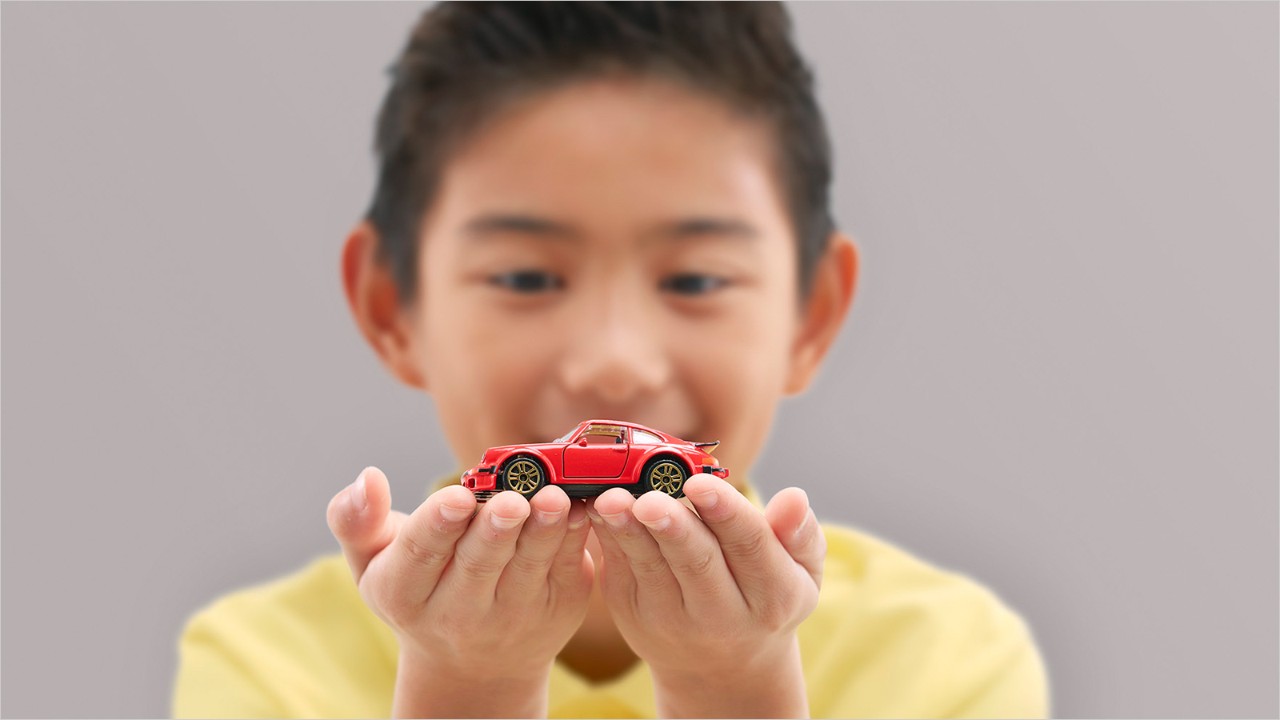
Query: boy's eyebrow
(499,223)
(710,226)
(685,229)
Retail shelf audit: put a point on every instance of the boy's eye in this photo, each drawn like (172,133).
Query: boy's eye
(693,283)
(527,281)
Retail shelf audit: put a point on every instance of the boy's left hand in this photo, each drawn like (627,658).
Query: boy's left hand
(712,600)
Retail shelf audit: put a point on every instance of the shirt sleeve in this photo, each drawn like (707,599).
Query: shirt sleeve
(894,636)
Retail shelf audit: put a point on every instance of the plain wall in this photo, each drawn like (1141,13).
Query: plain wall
(1059,375)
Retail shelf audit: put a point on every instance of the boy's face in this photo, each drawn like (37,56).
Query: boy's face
(616,249)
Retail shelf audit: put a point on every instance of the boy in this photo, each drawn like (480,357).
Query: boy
(593,210)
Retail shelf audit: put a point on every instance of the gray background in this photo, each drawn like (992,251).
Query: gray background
(1059,375)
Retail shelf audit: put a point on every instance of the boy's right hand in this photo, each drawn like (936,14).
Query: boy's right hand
(492,597)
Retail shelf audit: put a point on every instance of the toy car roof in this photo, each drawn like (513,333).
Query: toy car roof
(605,421)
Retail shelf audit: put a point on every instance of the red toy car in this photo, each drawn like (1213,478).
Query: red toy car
(591,458)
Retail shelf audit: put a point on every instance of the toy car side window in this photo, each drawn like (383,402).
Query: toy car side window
(643,438)
(603,435)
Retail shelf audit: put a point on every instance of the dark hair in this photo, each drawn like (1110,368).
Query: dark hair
(464,60)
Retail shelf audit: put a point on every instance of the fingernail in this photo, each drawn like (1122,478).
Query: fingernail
(577,523)
(546,518)
(359,496)
(659,523)
(808,516)
(615,520)
(707,500)
(504,523)
(453,513)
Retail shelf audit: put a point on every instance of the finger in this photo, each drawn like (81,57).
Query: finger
(360,518)
(572,570)
(648,566)
(425,544)
(796,527)
(540,538)
(691,550)
(483,551)
(749,546)
(613,569)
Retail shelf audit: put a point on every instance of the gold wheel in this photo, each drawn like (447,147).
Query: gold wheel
(666,476)
(523,475)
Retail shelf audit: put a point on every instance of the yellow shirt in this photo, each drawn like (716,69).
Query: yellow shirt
(891,637)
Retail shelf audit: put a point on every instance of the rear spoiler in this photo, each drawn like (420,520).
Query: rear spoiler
(712,445)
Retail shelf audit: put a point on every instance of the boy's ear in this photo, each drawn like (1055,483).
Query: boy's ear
(374,299)
(823,312)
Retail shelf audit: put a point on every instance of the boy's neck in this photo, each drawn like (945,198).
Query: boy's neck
(598,658)
(597,651)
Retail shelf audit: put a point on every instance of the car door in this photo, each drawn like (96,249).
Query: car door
(600,451)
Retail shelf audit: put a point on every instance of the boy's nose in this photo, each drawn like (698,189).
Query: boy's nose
(617,358)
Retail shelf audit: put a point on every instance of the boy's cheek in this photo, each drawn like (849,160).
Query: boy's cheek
(737,392)
(477,390)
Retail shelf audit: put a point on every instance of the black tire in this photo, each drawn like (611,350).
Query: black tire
(665,474)
(522,474)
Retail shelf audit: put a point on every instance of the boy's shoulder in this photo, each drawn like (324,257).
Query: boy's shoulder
(915,639)
(270,649)
(320,592)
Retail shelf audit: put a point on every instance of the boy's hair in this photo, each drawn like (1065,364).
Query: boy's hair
(464,61)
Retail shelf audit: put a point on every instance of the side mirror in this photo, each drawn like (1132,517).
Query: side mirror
(582,442)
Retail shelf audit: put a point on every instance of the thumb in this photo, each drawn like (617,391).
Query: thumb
(796,527)
(361,519)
